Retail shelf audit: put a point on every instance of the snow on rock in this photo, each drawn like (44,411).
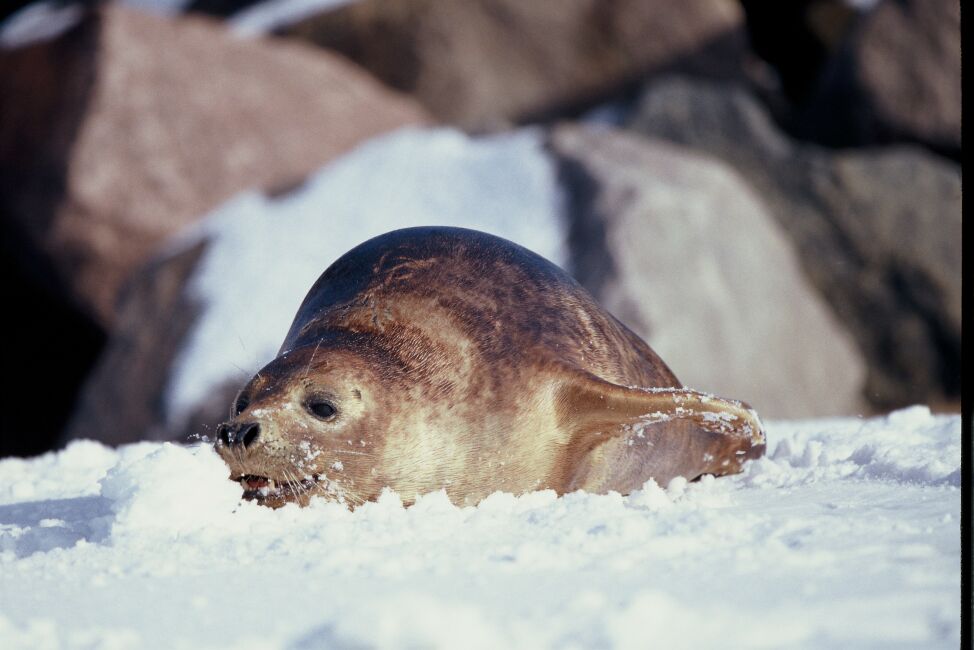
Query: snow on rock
(37,22)
(846,535)
(266,252)
(265,17)
(162,7)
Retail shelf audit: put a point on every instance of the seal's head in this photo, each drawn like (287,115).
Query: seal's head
(305,425)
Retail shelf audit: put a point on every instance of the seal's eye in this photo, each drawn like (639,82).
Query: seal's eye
(321,408)
(240,405)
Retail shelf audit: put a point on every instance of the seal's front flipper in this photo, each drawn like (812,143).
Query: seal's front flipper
(640,433)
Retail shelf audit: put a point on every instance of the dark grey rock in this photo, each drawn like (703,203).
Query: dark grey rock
(878,230)
(897,79)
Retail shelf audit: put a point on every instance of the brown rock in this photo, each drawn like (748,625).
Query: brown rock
(679,247)
(878,230)
(897,80)
(489,62)
(129,126)
(122,399)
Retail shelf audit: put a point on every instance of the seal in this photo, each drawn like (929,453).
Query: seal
(444,358)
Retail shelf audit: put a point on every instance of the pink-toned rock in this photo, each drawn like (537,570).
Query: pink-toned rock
(127,127)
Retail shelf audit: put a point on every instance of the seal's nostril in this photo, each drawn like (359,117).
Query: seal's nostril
(223,433)
(249,434)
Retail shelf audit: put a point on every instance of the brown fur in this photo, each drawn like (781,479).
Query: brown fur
(459,360)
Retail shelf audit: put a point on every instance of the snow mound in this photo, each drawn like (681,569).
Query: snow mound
(910,446)
(265,253)
(846,535)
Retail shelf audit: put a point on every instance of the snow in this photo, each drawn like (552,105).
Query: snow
(265,17)
(161,7)
(265,253)
(845,535)
(38,22)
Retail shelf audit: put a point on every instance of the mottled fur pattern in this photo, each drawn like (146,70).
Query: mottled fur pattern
(458,360)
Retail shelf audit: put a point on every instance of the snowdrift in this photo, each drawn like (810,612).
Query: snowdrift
(845,535)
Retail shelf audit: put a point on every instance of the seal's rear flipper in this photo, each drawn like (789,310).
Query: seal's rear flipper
(658,433)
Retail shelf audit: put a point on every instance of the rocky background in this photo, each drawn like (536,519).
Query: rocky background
(794,165)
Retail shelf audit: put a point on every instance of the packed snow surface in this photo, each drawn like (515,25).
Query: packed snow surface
(845,536)
(264,252)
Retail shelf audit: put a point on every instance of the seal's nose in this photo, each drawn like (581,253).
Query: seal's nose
(244,434)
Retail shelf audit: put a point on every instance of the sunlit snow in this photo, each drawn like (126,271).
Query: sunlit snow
(845,536)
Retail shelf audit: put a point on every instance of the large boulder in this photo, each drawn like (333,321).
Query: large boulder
(898,79)
(489,62)
(878,230)
(680,248)
(126,127)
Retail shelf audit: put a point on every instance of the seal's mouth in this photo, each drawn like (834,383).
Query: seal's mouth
(274,492)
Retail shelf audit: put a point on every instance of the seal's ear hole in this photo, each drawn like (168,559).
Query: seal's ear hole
(321,408)
(241,404)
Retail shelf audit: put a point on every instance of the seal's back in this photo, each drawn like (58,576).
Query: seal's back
(507,300)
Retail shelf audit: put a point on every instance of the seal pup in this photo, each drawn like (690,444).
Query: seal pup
(444,358)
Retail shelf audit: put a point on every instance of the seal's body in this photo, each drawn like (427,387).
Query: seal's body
(444,358)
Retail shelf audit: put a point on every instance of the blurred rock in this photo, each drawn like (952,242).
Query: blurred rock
(898,79)
(878,231)
(219,7)
(122,399)
(128,126)
(681,250)
(487,63)
(798,38)
(49,347)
